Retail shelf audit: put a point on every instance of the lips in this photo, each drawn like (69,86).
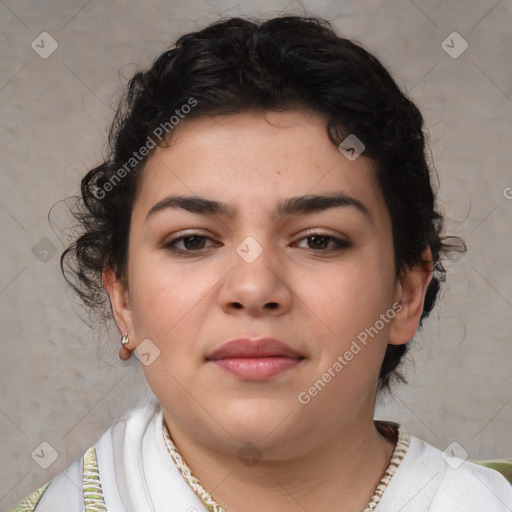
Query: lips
(255,359)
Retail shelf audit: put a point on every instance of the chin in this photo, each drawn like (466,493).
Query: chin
(262,422)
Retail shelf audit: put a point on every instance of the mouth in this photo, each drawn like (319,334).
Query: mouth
(255,359)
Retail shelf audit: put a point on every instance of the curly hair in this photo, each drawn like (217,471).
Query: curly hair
(238,64)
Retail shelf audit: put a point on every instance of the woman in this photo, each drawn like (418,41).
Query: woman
(267,235)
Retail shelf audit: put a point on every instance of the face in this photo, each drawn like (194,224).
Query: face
(256,259)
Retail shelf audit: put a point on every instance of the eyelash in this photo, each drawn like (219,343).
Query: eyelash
(340,244)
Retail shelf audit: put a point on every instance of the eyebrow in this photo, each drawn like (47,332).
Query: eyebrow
(292,206)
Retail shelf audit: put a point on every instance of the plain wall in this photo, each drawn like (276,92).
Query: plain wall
(59,386)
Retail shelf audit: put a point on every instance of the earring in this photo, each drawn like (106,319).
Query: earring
(124,352)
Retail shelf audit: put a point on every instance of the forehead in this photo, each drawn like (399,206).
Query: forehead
(255,157)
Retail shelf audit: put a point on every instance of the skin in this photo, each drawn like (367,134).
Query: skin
(315,301)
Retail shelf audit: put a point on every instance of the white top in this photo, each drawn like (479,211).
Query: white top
(137,474)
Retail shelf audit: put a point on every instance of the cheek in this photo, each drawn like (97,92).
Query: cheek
(167,304)
(357,290)
(163,295)
(348,301)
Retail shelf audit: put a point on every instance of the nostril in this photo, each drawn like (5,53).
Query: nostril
(271,305)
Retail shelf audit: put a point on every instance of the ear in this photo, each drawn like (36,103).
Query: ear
(410,293)
(119,299)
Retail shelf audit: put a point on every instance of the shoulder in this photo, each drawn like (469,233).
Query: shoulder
(79,486)
(62,494)
(470,486)
(429,479)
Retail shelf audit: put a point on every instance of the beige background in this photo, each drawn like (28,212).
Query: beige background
(58,386)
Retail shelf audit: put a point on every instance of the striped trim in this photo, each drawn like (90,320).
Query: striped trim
(402,444)
(388,428)
(186,472)
(29,503)
(93,493)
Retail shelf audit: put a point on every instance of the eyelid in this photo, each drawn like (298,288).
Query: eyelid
(320,232)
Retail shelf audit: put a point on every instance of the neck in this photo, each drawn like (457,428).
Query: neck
(340,474)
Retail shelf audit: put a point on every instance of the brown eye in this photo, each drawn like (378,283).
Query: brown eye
(322,242)
(193,242)
(318,242)
(188,244)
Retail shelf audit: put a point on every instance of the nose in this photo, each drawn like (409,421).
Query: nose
(256,287)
